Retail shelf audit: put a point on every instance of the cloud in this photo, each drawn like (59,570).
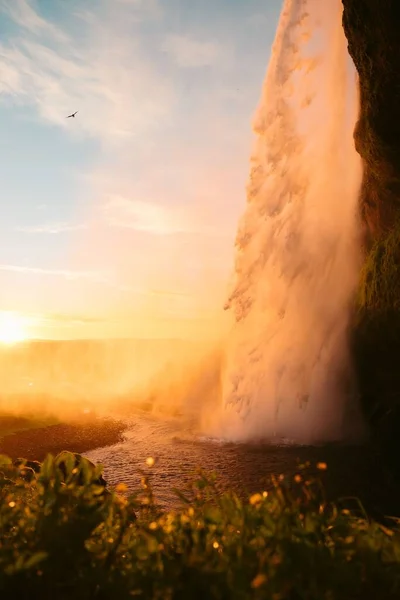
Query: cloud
(118,90)
(161,217)
(51,228)
(143,8)
(107,279)
(267,17)
(24,15)
(188,52)
(143,216)
(167,293)
(69,319)
(93,276)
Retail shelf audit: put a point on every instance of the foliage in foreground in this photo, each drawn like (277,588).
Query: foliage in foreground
(64,536)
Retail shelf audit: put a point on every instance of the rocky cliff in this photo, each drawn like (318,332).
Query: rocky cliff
(372,28)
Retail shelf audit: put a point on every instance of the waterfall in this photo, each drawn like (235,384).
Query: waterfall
(288,371)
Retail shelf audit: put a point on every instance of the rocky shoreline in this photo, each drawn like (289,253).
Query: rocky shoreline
(80,437)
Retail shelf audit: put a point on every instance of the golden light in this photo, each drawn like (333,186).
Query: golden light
(12,328)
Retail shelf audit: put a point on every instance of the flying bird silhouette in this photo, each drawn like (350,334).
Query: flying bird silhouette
(73,115)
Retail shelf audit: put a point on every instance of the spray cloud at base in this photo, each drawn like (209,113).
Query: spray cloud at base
(287,365)
(66,379)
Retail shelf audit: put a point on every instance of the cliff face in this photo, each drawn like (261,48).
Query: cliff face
(372,28)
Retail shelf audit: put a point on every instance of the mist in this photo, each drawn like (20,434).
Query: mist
(75,379)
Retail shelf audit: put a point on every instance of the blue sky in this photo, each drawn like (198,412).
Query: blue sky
(127,213)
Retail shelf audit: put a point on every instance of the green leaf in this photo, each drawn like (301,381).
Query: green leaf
(181,496)
(35,559)
(5,460)
(46,470)
(212,514)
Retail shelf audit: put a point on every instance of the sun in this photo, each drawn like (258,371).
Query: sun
(12,328)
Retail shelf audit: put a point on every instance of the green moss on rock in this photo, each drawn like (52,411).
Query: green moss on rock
(379,289)
(372,30)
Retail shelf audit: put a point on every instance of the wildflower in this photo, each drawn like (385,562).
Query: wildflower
(255,499)
(349,539)
(121,488)
(322,466)
(259,580)
(11,504)
(185,519)
(150,461)
(216,545)
(297,478)
(388,532)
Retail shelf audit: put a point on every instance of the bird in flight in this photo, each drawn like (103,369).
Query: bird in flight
(73,115)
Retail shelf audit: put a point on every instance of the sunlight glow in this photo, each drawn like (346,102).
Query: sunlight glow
(12,328)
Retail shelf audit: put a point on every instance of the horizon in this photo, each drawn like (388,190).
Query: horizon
(122,220)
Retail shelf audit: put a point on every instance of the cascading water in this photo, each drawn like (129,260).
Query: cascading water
(287,371)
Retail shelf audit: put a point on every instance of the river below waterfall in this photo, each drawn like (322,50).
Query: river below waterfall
(179,450)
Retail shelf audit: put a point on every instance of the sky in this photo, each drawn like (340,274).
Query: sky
(121,221)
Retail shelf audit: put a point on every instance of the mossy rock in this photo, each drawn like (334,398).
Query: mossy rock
(376,338)
(376,335)
(379,289)
(77,461)
(371,28)
(376,344)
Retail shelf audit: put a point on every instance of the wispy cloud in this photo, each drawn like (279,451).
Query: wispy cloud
(51,228)
(24,15)
(143,8)
(105,278)
(191,53)
(160,218)
(117,89)
(70,319)
(167,293)
(93,276)
(143,216)
(263,18)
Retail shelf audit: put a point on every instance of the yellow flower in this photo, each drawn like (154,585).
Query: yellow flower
(255,499)
(150,461)
(259,580)
(349,539)
(121,488)
(388,532)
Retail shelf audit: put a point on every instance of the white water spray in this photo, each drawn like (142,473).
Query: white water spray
(287,367)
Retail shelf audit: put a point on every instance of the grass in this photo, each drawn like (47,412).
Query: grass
(376,331)
(10,424)
(379,289)
(64,536)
